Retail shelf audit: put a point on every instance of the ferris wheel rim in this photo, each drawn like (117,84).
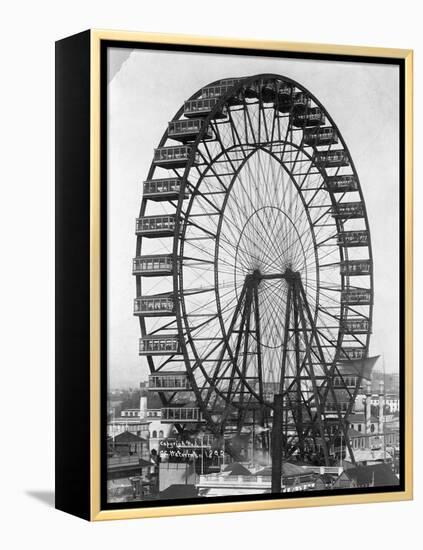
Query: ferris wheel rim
(221,102)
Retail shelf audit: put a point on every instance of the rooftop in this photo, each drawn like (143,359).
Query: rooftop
(361,417)
(355,433)
(179,491)
(128,437)
(288,469)
(369,455)
(375,475)
(237,469)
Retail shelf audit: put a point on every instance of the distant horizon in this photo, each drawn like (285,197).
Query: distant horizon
(133,385)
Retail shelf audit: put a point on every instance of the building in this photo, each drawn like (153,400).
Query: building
(130,420)
(369,457)
(130,413)
(358,439)
(176,473)
(376,412)
(128,444)
(144,421)
(373,439)
(127,478)
(128,468)
(391,381)
(358,422)
(377,475)
(225,483)
(177,491)
(392,402)
(324,482)
(158,430)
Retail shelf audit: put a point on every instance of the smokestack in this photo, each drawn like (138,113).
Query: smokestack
(381,406)
(143,407)
(368,407)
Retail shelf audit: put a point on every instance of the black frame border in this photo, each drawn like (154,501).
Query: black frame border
(104,45)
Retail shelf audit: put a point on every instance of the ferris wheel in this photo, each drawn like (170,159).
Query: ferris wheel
(253,264)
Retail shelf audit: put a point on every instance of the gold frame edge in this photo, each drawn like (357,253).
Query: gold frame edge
(96,514)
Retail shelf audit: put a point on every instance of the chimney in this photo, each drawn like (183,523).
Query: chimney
(381,406)
(368,407)
(143,406)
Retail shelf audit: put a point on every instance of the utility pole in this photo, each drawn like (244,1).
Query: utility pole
(252,436)
(277,442)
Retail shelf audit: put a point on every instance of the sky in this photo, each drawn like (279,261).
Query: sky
(145,90)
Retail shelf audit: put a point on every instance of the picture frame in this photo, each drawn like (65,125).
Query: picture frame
(319,431)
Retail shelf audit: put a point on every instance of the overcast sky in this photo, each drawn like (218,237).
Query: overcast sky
(146,88)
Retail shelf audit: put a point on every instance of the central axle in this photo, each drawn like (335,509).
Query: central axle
(256,276)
